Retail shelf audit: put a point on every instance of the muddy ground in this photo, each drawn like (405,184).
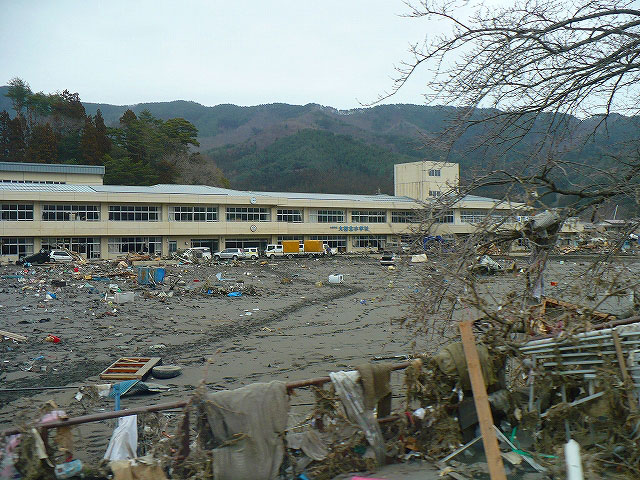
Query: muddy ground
(289,330)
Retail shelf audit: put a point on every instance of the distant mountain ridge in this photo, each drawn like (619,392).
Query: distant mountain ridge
(318,148)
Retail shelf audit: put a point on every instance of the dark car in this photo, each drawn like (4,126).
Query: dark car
(41,257)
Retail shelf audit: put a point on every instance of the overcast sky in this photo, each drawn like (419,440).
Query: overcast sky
(331,52)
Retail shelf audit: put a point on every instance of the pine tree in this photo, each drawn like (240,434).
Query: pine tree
(17,143)
(102,140)
(89,144)
(43,144)
(4,136)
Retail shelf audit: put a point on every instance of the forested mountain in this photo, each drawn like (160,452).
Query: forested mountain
(137,149)
(316,148)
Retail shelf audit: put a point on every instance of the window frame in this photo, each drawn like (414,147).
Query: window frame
(369,216)
(19,246)
(193,213)
(404,216)
(328,216)
(16,212)
(135,213)
(290,215)
(247,214)
(64,212)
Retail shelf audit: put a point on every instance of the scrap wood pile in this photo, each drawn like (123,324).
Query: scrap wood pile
(585,383)
(555,316)
(217,285)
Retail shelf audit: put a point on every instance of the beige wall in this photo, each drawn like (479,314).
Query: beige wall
(413,180)
(185,231)
(71,178)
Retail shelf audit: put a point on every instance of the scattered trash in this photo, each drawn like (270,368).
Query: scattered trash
(421,258)
(12,336)
(141,468)
(68,469)
(234,294)
(166,371)
(124,441)
(124,297)
(131,368)
(336,278)
(52,339)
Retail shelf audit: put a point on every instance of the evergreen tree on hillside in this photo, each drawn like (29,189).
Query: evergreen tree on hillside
(43,144)
(12,138)
(19,92)
(54,128)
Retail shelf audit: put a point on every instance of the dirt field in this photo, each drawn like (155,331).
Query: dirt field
(287,331)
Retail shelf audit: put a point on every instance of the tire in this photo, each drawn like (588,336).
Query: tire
(217,258)
(235,257)
(272,256)
(166,371)
(253,257)
(289,255)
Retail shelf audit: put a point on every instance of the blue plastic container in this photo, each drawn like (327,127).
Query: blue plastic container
(158,275)
(144,275)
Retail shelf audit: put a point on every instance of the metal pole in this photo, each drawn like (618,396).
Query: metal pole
(96,417)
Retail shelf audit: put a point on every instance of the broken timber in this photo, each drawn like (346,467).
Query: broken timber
(129,368)
(481,400)
(13,336)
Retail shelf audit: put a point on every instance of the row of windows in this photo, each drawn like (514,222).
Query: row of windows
(20,246)
(147,213)
(334,241)
(327,216)
(121,245)
(369,216)
(47,182)
(248,214)
(404,216)
(17,212)
(369,241)
(90,246)
(193,214)
(289,215)
(479,216)
(66,213)
(134,213)
(445,217)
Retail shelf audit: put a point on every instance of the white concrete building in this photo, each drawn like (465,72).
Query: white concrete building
(44,206)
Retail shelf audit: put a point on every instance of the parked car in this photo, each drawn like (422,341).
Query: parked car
(232,253)
(198,252)
(388,258)
(60,256)
(251,252)
(41,257)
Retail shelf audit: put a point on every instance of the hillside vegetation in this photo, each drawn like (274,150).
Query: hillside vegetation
(311,147)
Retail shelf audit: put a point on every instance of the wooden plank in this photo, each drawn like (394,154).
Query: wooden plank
(147,368)
(13,336)
(129,368)
(628,383)
(481,400)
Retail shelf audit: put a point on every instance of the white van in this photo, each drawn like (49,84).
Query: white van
(273,251)
(198,252)
(251,252)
